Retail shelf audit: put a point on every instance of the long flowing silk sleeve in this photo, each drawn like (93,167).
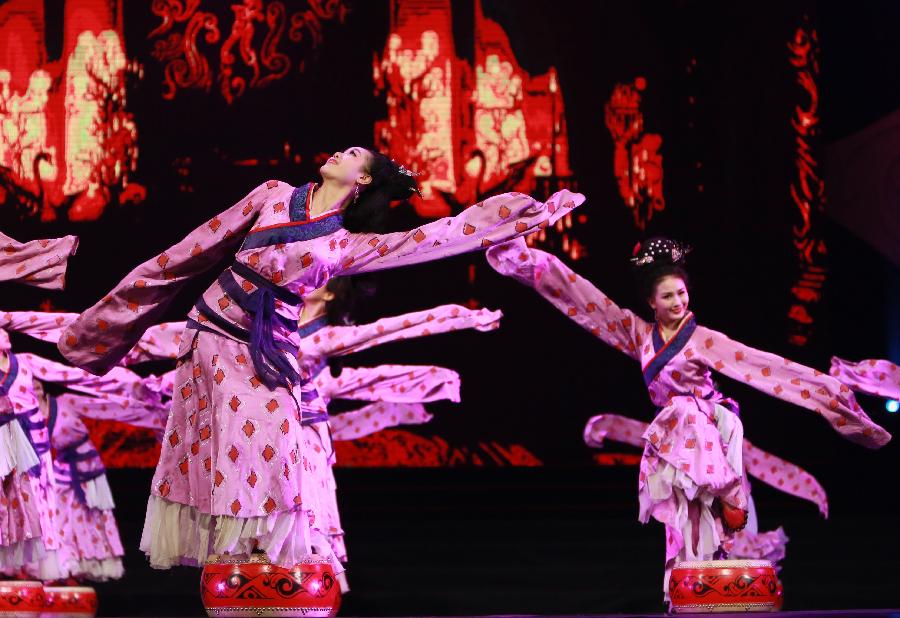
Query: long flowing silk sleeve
(137,412)
(104,333)
(375,417)
(395,383)
(159,342)
(571,294)
(118,383)
(880,378)
(791,382)
(340,340)
(784,476)
(42,325)
(495,220)
(41,263)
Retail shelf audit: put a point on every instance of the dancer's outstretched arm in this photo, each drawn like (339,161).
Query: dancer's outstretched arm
(340,340)
(495,220)
(791,382)
(572,294)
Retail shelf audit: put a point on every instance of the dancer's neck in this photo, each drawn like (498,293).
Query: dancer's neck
(311,311)
(329,196)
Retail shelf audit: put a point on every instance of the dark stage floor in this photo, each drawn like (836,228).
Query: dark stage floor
(454,542)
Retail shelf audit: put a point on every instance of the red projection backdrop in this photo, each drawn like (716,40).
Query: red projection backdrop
(67,141)
(471,130)
(807,189)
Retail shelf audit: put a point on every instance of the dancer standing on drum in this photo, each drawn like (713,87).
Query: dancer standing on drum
(691,473)
(230,477)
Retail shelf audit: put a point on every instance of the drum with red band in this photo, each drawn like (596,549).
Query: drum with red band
(70,602)
(724,586)
(233,588)
(21,598)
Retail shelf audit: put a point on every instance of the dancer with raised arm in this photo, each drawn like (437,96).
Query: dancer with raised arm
(691,473)
(238,394)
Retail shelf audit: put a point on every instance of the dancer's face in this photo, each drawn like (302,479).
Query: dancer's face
(670,299)
(348,167)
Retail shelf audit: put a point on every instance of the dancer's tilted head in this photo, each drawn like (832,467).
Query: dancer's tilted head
(659,266)
(375,181)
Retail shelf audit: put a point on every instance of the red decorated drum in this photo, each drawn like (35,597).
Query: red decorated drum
(725,586)
(21,598)
(236,588)
(70,602)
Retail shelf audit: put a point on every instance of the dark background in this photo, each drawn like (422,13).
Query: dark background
(563,538)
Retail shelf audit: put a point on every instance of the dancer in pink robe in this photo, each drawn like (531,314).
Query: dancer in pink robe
(691,473)
(319,339)
(232,470)
(749,543)
(40,263)
(87,530)
(879,378)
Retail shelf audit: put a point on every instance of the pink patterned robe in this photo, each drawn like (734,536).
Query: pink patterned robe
(41,263)
(87,526)
(693,447)
(231,477)
(749,543)
(880,378)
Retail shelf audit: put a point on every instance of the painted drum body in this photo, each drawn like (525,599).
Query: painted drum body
(232,588)
(725,586)
(21,598)
(70,602)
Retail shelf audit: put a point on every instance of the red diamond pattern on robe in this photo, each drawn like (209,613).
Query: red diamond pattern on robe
(235,403)
(236,507)
(248,429)
(233,453)
(268,453)
(174,438)
(272,405)
(269,505)
(251,479)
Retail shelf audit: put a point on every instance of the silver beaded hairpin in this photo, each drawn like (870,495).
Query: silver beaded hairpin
(658,250)
(408,172)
